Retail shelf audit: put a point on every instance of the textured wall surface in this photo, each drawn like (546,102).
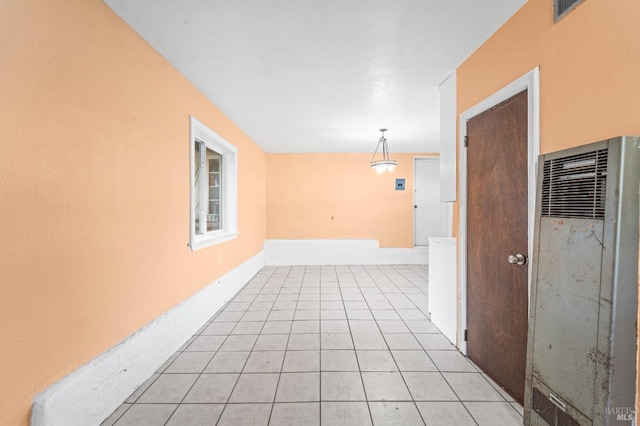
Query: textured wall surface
(338,196)
(94,183)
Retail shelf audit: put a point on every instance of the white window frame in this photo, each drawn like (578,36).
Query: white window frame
(198,132)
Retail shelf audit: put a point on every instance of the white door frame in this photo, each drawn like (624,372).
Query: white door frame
(447,208)
(530,82)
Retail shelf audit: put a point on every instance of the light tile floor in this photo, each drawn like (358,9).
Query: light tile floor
(330,345)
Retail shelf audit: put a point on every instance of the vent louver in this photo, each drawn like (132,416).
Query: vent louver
(562,7)
(545,409)
(575,187)
(549,412)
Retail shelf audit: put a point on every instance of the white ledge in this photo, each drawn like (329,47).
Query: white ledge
(340,252)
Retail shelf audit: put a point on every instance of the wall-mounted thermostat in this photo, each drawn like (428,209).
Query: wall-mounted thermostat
(399,184)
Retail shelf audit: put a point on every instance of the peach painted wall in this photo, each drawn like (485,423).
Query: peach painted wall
(589,62)
(338,196)
(589,70)
(94,190)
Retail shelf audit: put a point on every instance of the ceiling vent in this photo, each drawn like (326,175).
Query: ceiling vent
(563,7)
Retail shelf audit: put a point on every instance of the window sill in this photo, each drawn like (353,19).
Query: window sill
(212,240)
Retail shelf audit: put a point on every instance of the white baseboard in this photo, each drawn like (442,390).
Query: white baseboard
(91,393)
(340,252)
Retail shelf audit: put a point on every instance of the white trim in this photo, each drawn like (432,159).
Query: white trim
(340,252)
(531,83)
(229,212)
(212,239)
(448,139)
(90,394)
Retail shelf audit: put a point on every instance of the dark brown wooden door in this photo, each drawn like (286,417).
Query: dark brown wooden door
(497,291)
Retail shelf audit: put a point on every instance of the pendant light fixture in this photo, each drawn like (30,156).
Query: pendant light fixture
(386,163)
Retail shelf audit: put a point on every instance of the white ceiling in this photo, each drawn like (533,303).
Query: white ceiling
(321,75)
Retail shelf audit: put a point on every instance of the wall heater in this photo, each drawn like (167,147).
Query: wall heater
(581,351)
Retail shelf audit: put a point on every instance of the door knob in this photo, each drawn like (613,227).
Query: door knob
(517,259)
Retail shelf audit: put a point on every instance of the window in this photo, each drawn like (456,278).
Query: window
(214,188)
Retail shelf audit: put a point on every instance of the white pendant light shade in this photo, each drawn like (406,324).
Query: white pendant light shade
(385,163)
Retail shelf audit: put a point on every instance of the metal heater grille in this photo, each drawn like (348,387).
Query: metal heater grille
(575,187)
(550,412)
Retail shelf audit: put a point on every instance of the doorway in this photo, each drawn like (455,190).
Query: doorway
(493,292)
(429,213)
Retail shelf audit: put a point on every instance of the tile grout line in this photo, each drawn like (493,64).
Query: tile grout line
(275,393)
(199,333)
(320,348)
(390,352)
(364,389)
(387,280)
(247,360)
(185,346)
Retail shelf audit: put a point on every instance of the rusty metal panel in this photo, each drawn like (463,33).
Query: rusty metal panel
(567,306)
